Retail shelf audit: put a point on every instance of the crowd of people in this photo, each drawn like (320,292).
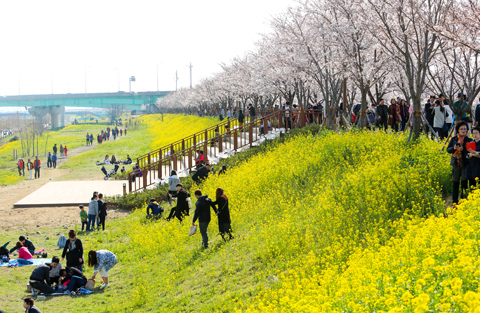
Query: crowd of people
(97,213)
(104,135)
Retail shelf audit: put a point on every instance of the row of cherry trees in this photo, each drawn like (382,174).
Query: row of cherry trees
(351,51)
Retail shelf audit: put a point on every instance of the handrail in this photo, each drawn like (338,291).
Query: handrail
(180,155)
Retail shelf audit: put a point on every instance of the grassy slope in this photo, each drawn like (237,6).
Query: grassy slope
(315,198)
(152,132)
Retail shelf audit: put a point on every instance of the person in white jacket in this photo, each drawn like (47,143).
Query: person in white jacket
(173,180)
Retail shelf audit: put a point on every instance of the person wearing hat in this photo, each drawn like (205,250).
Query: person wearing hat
(21,167)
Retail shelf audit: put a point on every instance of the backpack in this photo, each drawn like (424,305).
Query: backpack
(62,242)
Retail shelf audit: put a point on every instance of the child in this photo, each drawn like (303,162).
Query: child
(83,216)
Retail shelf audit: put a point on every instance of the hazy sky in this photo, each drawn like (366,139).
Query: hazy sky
(109,41)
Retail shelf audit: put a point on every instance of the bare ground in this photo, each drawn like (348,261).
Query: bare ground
(48,217)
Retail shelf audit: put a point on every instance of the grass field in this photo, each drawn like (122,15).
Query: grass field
(151,133)
(318,220)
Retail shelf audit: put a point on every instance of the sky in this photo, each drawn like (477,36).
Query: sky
(95,46)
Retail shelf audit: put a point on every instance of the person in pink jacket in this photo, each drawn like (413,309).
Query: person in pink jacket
(24,256)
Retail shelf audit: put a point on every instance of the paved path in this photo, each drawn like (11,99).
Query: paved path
(69,193)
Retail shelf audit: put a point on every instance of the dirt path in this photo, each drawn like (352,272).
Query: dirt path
(44,217)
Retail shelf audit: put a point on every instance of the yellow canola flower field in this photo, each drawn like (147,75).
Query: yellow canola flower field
(349,222)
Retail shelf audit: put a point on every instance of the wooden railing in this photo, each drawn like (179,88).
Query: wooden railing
(213,141)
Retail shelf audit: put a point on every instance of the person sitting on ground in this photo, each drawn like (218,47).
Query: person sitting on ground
(155,208)
(40,279)
(129,160)
(29,306)
(173,181)
(75,276)
(123,169)
(107,159)
(113,160)
(101,261)
(201,174)
(24,256)
(55,271)
(26,243)
(182,207)
(223,170)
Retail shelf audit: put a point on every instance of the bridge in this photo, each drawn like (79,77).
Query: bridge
(54,104)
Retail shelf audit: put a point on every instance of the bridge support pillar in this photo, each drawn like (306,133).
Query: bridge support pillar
(55,112)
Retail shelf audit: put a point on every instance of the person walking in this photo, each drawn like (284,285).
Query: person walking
(394,115)
(65,150)
(439,118)
(202,214)
(37,166)
(30,168)
(88,139)
(91,139)
(382,115)
(473,168)
(49,160)
(21,167)
(458,148)
(241,120)
(55,149)
(101,261)
(73,251)
(54,160)
(223,213)
(61,150)
(92,212)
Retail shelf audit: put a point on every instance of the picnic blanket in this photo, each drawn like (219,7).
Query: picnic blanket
(14,262)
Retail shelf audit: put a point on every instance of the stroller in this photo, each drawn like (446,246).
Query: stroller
(111,173)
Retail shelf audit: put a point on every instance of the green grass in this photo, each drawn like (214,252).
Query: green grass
(299,198)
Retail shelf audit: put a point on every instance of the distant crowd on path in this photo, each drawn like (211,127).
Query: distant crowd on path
(105,135)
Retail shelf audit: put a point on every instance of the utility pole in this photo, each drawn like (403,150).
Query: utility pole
(176,80)
(190,75)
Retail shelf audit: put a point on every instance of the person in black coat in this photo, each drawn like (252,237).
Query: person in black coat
(182,207)
(458,148)
(223,213)
(202,213)
(382,115)
(473,167)
(241,120)
(201,174)
(251,110)
(102,211)
(73,250)
(29,306)
(40,279)
(76,277)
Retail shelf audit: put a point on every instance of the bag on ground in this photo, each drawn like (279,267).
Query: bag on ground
(90,284)
(62,242)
